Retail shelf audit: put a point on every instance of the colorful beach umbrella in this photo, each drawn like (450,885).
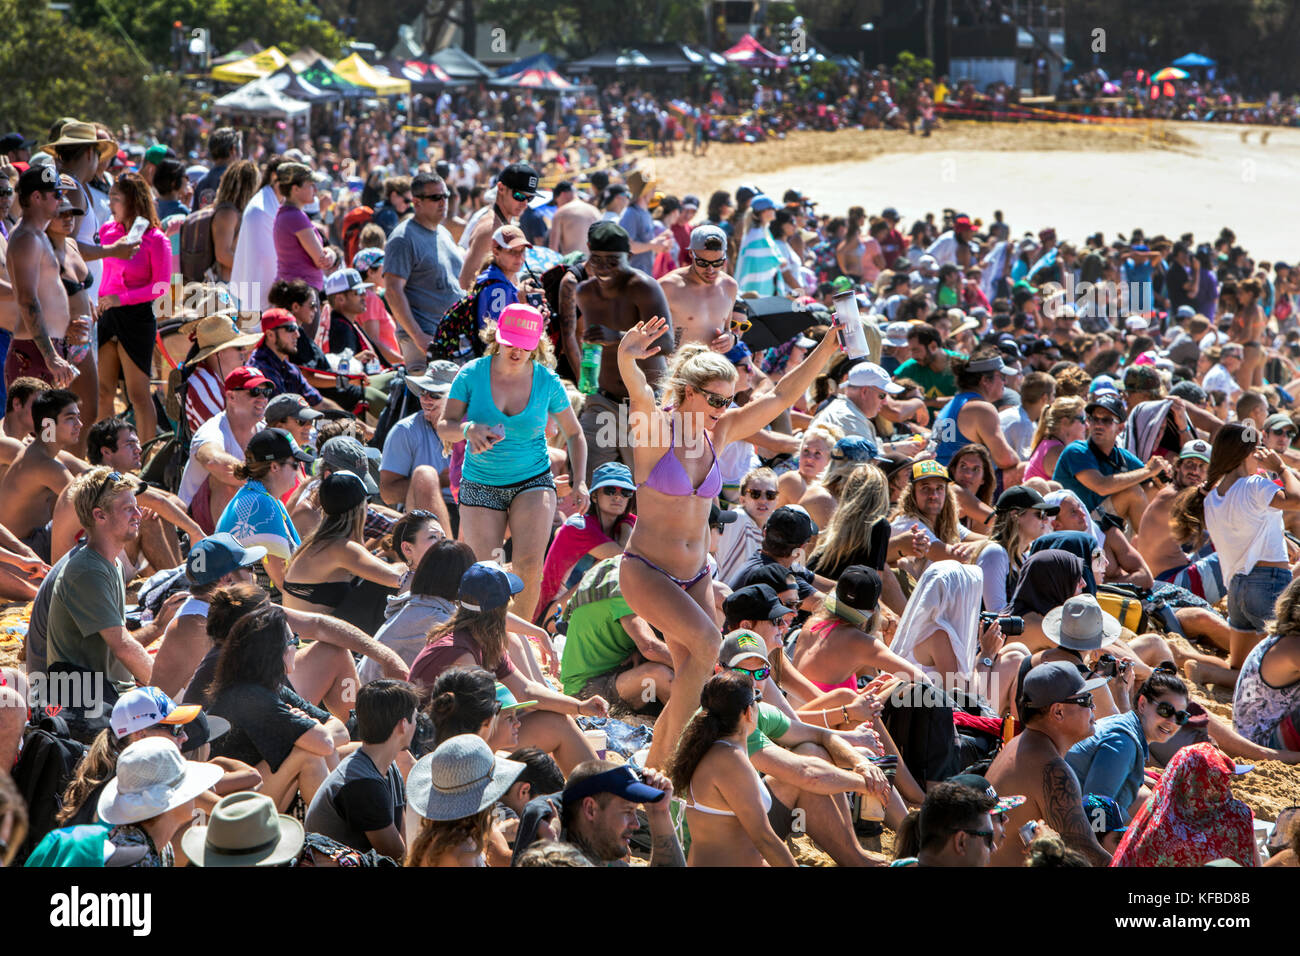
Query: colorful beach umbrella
(1170,73)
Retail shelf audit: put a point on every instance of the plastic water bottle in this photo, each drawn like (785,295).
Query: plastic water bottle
(589,374)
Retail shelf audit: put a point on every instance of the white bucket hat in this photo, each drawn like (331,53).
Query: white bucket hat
(459,779)
(152,778)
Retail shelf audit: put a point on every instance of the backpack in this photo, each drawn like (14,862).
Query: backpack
(400,404)
(354,221)
(198,252)
(49,759)
(459,322)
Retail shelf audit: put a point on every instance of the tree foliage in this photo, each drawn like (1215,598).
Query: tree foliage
(577,28)
(53,69)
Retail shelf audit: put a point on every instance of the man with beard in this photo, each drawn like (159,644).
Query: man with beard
(611,302)
(702,295)
(1153,541)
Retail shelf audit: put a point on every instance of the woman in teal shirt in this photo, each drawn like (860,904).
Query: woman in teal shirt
(499,405)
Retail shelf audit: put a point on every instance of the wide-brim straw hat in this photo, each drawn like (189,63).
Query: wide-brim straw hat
(244,830)
(216,332)
(78,133)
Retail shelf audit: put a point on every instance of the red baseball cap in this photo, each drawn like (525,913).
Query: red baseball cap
(961,222)
(274,318)
(246,377)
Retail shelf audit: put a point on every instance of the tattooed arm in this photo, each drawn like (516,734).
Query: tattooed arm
(665,849)
(1063,811)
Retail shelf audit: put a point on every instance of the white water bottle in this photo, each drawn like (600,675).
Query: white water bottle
(137,229)
(846,308)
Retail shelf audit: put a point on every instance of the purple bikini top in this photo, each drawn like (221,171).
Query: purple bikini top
(669,475)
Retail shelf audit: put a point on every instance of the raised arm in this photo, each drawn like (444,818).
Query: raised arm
(634,346)
(736,422)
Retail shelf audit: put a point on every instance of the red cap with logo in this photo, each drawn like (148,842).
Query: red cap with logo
(274,318)
(244,378)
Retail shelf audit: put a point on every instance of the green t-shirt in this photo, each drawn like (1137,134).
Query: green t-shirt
(596,642)
(935,384)
(88,598)
(772,724)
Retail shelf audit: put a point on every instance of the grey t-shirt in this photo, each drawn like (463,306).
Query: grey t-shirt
(355,799)
(430,262)
(88,598)
(640,227)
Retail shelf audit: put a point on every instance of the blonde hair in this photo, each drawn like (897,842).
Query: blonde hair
(544,353)
(827,433)
(1054,415)
(946,527)
(696,365)
(92,487)
(864,501)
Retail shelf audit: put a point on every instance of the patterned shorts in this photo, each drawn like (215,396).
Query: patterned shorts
(498,497)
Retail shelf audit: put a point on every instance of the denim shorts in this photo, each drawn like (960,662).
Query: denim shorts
(1251,597)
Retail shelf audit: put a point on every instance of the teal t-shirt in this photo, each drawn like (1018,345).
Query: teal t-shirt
(935,384)
(521,454)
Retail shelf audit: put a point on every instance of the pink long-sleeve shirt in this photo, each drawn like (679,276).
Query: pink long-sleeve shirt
(146,275)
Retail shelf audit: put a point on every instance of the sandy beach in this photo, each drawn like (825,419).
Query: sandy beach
(1162,177)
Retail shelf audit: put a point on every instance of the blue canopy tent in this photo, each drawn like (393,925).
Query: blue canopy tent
(538,61)
(1193,60)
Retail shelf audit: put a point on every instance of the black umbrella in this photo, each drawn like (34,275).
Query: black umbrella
(777,320)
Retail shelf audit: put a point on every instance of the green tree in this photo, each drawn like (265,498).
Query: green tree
(54,69)
(579,27)
(288,23)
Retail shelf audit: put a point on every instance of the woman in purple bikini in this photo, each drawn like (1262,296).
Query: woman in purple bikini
(664,574)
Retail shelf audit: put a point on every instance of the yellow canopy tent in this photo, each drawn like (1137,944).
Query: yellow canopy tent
(251,68)
(358,71)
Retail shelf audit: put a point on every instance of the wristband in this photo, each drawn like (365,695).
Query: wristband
(464,429)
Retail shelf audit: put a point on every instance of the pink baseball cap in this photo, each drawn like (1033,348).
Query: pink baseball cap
(520,326)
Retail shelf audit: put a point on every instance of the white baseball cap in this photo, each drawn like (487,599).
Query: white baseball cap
(896,335)
(866,373)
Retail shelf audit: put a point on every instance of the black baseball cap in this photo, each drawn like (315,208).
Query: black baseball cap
(792,524)
(720,516)
(36,179)
(608,236)
(1022,497)
(340,492)
(859,587)
(754,602)
(520,177)
(275,444)
(1108,401)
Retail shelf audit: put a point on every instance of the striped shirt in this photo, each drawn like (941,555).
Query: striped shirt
(204,397)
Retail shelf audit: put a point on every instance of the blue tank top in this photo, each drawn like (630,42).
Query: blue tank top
(945,427)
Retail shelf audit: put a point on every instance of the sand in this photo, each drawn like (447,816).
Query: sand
(1170,177)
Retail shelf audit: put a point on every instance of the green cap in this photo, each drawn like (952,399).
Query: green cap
(155,154)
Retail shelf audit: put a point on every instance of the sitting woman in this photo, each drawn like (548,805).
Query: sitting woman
(741,538)
(727,803)
(814,456)
(1020,518)
(973,482)
(1112,762)
(430,601)
(1047,580)
(414,533)
(332,572)
(587,538)
(839,642)
(256,515)
(942,634)
(1266,703)
(476,634)
(823,495)
(453,790)
(292,743)
(1062,422)
(1192,818)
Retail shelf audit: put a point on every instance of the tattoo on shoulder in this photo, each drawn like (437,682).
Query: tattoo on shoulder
(1063,808)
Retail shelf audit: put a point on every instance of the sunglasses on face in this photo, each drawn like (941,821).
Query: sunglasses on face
(710,263)
(431,197)
(291,329)
(521,197)
(1103,421)
(1168,711)
(986,834)
(178,731)
(1083,700)
(618,492)
(758,494)
(714,399)
(262,391)
(741,326)
(6,192)
(758,674)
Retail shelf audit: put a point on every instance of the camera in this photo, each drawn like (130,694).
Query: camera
(1110,666)
(1012,626)
(535,299)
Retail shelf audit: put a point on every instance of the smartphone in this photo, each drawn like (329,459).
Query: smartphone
(1028,831)
(137,229)
(499,430)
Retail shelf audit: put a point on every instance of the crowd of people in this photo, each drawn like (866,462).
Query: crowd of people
(404,544)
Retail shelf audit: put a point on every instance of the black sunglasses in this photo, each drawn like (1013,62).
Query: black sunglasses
(1167,710)
(758,674)
(986,834)
(431,197)
(710,263)
(111,478)
(1083,700)
(758,494)
(611,490)
(6,192)
(714,399)
(521,197)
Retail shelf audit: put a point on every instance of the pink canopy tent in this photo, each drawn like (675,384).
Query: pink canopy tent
(750,53)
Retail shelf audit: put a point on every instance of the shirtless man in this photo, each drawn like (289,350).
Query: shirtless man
(1056,709)
(702,295)
(516,186)
(34,272)
(36,478)
(1154,541)
(16,429)
(614,299)
(573,217)
(113,442)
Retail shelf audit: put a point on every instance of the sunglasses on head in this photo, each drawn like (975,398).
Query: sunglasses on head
(758,494)
(758,674)
(108,481)
(714,399)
